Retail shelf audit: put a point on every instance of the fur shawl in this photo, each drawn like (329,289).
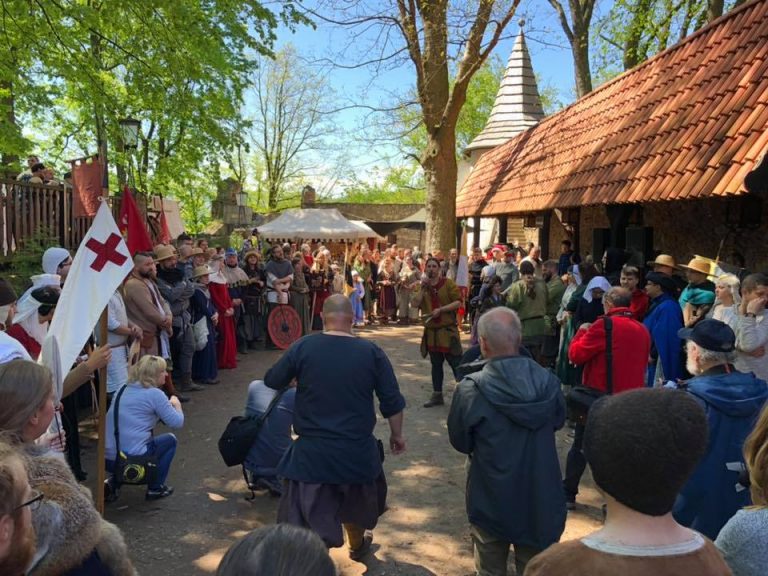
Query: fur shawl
(67,525)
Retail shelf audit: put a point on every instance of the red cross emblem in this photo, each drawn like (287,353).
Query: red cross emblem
(106,252)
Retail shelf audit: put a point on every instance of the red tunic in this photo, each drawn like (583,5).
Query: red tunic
(31,345)
(639,305)
(226,346)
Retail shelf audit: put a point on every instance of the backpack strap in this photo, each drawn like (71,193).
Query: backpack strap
(117,433)
(262,419)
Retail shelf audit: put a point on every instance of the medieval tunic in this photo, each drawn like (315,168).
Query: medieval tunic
(204,362)
(442,334)
(320,285)
(531,310)
(300,299)
(226,348)
(333,468)
(253,302)
(237,281)
(387,296)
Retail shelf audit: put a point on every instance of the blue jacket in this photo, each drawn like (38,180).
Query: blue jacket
(732,402)
(505,417)
(663,321)
(274,438)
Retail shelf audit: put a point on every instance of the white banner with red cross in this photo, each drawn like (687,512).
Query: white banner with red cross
(101,264)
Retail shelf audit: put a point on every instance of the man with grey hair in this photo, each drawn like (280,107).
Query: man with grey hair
(732,401)
(505,417)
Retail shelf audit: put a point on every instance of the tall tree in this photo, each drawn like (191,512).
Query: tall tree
(291,120)
(577,30)
(435,36)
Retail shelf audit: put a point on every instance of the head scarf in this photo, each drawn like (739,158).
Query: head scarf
(53,257)
(596,282)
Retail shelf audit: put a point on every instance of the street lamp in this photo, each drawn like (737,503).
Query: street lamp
(129,128)
(242,199)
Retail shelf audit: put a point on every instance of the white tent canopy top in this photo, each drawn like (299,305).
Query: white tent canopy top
(315,224)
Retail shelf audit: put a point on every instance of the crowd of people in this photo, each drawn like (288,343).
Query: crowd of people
(661,377)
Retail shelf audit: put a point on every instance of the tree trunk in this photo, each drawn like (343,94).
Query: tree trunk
(580,50)
(714,9)
(440,173)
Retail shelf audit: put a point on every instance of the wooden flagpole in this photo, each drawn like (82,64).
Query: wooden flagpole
(100,453)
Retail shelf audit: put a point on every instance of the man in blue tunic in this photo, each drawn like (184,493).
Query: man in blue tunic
(333,470)
(663,320)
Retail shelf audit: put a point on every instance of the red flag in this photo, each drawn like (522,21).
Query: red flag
(164,237)
(132,225)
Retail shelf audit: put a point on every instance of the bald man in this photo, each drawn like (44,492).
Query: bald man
(333,470)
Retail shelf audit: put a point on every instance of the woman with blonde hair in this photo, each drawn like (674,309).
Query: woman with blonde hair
(71,537)
(142,404)
(727,299)
(743,541)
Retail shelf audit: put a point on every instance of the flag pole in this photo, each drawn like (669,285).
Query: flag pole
(100,458)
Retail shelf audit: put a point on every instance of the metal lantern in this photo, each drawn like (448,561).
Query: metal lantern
(130,127)
(242,199)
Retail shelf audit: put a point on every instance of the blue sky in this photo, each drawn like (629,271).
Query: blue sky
(547,44)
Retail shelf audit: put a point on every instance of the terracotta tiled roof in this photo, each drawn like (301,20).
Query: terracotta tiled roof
(691,122)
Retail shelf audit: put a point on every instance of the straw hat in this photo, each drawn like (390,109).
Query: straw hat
(163,252)
(196,251)
(252,253)
(663,260)
(698,265)
(200,271)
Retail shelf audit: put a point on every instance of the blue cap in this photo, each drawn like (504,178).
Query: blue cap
(230,252)
(711,335)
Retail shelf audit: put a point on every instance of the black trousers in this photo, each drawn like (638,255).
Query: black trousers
(437,359)
(575,465)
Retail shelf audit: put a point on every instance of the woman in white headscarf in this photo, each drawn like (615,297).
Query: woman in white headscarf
(591,305)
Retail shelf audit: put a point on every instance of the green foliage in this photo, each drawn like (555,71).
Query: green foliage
(398,185)
(70,69)
(27,259)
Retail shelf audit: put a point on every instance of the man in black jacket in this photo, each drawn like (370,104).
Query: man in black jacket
(504,417)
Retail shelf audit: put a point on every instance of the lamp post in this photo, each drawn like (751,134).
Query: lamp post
(242,202)
(129,137)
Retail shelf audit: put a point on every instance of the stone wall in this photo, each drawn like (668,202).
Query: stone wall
(683,229)
(371,212)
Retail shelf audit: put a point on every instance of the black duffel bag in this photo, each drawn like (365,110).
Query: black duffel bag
(580,399)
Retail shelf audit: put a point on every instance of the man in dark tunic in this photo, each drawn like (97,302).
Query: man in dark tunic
(333,469)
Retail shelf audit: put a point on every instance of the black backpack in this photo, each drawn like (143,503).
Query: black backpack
(241,432)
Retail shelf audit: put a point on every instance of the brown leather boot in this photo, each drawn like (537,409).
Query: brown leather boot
(435,400)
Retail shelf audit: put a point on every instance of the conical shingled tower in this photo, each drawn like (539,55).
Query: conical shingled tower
(517,106)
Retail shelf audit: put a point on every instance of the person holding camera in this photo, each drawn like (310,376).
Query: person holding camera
(142,404)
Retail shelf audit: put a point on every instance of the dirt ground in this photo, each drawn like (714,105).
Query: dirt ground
(424,532)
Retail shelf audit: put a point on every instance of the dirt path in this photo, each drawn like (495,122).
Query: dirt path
(425,531)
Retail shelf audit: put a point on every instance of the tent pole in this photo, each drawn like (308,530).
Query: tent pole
(100,472)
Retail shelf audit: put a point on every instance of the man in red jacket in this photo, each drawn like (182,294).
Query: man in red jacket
(631,347)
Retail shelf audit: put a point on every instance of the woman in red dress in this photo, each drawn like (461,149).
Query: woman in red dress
(226,345)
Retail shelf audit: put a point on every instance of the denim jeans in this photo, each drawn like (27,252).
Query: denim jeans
(164,447)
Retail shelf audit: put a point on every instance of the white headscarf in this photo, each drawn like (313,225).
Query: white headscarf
(596,282)
(53,257)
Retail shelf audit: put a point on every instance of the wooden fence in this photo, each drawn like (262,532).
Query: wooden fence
(44,212)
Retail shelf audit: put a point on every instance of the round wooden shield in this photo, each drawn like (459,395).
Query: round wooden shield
(284,326)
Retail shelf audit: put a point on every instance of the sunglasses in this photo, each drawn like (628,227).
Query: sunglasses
(33,503)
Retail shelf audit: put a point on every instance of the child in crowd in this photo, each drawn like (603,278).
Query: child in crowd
(357,296)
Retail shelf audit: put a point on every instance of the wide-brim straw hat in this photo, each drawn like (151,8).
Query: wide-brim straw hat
(200,271)
(663,260)
(252,253)
(698,265)
(196,251)
(163,252)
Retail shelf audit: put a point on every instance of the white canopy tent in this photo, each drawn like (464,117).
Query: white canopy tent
(326,224)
